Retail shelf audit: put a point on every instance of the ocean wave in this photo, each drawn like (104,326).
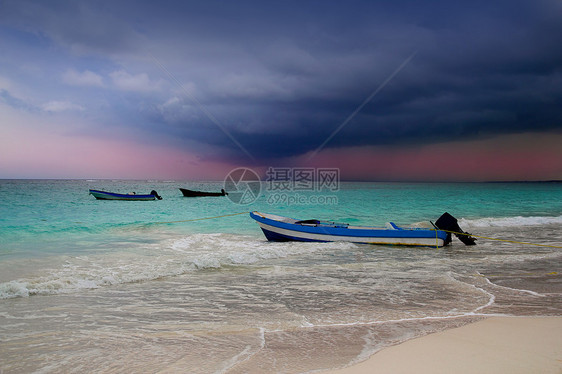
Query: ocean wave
(168,259)
(217,250)
(509,221)
(73,278)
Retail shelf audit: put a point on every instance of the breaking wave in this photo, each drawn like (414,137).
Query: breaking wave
(509,221)
(168,259)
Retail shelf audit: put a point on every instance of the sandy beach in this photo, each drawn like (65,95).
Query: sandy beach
(495,345)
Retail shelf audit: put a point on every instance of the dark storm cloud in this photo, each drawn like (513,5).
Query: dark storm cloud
(282,77)
(481,69)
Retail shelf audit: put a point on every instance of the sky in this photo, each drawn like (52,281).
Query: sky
(385,91)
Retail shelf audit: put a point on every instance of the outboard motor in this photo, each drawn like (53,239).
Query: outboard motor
(224,193)
(449,223)
(155,194)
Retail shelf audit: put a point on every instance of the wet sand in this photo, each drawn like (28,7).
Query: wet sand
(495,345)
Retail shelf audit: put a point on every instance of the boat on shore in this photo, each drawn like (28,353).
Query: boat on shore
(104,195)
(192,193)
(278,228)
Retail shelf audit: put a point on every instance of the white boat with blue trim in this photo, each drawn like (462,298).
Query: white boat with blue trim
(278,228)
(104,195)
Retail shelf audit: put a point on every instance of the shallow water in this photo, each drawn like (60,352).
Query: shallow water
(88,285)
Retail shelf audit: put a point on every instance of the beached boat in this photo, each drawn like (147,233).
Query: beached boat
(103,195)
(192,193)
(278,228)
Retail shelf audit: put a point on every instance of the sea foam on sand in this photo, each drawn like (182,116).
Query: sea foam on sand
(496,345)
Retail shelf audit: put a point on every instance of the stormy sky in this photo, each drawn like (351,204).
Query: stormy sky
(402,90)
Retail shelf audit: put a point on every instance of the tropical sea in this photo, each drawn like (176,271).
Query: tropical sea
(145,286)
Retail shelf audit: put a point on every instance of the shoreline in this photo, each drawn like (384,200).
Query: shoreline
(493,345)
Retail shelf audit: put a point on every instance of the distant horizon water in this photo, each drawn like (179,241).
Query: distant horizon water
(358,180)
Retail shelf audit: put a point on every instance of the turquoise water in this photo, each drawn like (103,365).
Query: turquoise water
(113,286)
(36,213)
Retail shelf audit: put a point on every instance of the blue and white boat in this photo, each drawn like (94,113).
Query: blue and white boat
(278,228)
(103,195)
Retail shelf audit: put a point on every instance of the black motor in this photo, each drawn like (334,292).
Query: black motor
(155,194)
(449,223)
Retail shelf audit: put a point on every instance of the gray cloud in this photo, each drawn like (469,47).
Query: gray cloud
(85,78)
(16,102)
(81,26)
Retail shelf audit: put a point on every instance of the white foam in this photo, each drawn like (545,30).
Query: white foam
(216,250)
(512,289)
(372,344)
(509,221)
(488,304)
(13,289)
(245,355)
(167,259)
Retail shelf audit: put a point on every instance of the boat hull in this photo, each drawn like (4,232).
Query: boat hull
(275,230)
(103,195)
(192,193)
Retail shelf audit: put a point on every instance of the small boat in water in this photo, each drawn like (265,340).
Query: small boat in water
(278,228)
(192,193)
(103,195)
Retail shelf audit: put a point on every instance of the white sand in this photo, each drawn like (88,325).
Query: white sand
(496,345)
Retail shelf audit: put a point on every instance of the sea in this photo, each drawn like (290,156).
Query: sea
(190,285)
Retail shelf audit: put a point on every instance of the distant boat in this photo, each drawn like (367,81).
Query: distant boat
(192,193)
(282,229)
(103,195)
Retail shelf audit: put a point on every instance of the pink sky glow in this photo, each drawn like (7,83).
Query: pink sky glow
(48,149)
(514,157)
(507,158)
